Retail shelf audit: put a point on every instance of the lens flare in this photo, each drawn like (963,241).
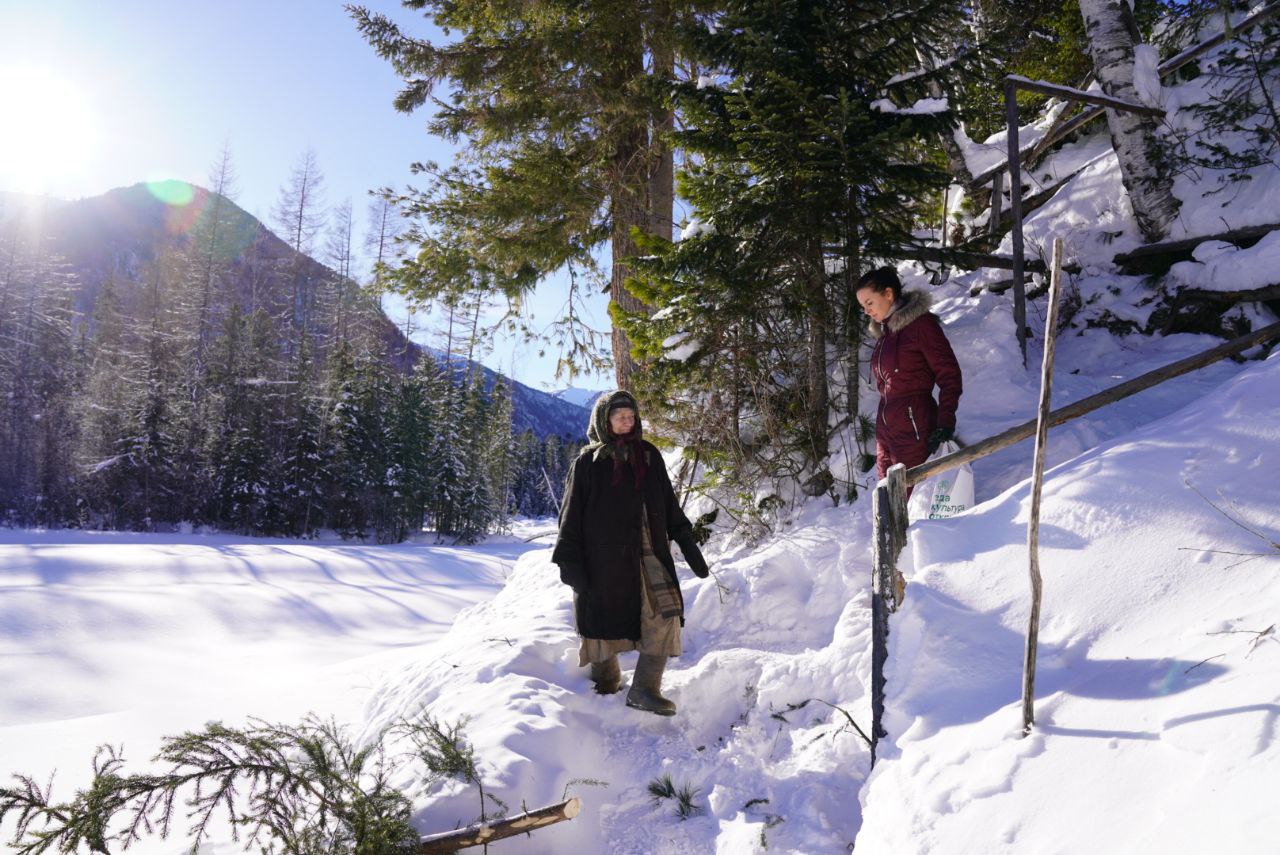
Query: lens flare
(176,193)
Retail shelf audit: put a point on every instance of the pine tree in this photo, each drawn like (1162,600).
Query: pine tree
(563,105)
(500,456)
(414,437)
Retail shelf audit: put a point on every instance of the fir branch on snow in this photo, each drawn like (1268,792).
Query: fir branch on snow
(305,788)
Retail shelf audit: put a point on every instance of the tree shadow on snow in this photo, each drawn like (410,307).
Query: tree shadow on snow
(962,665)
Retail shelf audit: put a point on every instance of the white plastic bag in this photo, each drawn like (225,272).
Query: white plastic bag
(943,494)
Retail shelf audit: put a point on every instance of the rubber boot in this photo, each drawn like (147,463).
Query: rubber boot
(646,686)
(607,676)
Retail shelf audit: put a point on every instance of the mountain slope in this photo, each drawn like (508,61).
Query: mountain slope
(118,234)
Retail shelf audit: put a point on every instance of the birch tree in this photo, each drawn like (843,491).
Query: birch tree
(1113,33)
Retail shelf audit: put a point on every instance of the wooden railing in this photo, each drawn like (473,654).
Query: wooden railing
(889,501)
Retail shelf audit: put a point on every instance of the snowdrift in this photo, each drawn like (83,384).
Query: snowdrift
(1157,696)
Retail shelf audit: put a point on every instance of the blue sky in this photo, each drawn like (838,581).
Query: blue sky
(96,95)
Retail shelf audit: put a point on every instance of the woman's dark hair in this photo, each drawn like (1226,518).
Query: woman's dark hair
(882,279)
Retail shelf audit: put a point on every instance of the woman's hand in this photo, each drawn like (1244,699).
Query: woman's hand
(938,436)
(575,576)
(693,555)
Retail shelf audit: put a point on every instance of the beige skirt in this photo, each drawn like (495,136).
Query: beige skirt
(659,636)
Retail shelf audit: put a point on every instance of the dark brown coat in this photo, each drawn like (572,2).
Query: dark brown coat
(599,545)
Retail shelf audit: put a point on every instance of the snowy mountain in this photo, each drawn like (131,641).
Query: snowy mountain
(581,397)
(116,235)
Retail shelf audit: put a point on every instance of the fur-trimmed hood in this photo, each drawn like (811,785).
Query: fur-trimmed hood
(914,305)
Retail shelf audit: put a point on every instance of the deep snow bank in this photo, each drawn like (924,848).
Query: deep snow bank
(1156,714)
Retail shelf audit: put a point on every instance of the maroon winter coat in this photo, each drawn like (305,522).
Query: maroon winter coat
(911,356)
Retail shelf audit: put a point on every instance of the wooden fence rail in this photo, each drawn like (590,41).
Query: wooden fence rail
(889,504)
(1087,405)
(1169,66)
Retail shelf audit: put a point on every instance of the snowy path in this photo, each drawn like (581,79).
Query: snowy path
(127,637)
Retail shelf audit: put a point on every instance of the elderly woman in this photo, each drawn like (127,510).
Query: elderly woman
(911,356)
(616,523)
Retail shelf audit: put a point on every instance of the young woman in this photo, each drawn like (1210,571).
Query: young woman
(616,523)
(911,356)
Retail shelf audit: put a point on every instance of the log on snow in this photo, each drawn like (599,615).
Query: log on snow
(1253,295)
(964,258)
(1159,257)
(479,834)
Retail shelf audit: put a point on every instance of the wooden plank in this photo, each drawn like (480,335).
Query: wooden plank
(1037,483)
(1173,63)
(479,834)
(1159,257)
(1073,94)
(964,258)
(1015,214)
(889,536)
(1087,405)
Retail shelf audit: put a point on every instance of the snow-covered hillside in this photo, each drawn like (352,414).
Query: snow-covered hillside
(1159,672)
(1142,746)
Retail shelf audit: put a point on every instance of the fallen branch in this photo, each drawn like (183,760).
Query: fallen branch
(481,833)
(1203,661)
(1253,531)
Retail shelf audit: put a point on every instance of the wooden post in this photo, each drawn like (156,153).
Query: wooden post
(478,834)
(946,197)
(889,536)
(1037,481)
(997,202)
(1015,211)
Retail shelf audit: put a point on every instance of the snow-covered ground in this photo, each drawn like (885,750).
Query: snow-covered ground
(1157,704)
(125,638)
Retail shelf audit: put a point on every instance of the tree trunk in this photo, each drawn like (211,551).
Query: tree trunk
(629,209)
(1110,31)
(662,177)
(816,371)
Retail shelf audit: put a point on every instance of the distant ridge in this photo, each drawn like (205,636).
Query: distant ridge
(117,233)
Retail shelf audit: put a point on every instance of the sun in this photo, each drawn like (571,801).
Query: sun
(48,128)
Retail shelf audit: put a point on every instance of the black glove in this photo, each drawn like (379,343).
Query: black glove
(575,576)
(693,555)
(939,436)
